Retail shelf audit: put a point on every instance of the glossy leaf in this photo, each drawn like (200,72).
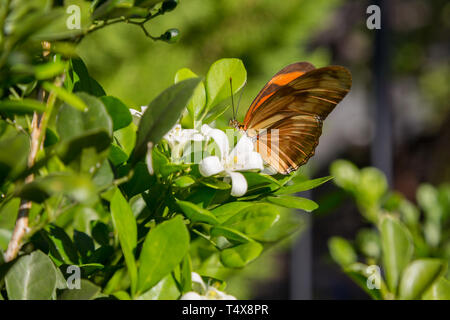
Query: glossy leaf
(197,101)
(440,290)
(164,247)
(240,255)
(118,111)
(162,114)
(419,276)
(253,220)
(294,202)
(22,106)
(87,291)
(303,186)
(397,249)
(196,213)
(342,251)
(125,226)
(218,80)
(79,188)
(25,280)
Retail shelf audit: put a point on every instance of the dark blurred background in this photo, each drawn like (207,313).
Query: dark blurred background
(396,117)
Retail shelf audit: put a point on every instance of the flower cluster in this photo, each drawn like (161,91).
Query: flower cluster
(202,291)
(227,163)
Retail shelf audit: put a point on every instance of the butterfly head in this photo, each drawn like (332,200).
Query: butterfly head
(235,124)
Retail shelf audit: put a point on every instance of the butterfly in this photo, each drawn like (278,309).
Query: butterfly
(285,119)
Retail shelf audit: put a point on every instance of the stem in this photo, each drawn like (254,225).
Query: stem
(123,19)
(21,227)
(38,128)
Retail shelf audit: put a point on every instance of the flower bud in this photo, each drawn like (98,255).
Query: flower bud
(169,5)
(170,35)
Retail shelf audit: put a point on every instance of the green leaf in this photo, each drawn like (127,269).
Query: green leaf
(254,220)
(32,277)
(419,276)
(216,113)
(87,291)
(294,202)
(83,81)
(166,289)
(198,99)
(122,295)
(227,210)
(66,96)
(368,242)
(218,80)
(73,123)
(118,111)
(287,223)
(49,69)
(164,247)
(342,251)
(22,106)
(346,174)
(162,114)
(440,290)
(196,213)
(66,252)
(77,187)
(186,274)
(397,249)
(84,244)
(240,255)
(104,176)
(81,130)
(372,184)
(125,226)
(15,160)
(100,232)
(215,183)
(303,186)
(118,282)
(230,234)
(256,179)
(184,181)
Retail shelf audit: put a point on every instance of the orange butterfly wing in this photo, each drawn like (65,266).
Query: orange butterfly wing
(286,117)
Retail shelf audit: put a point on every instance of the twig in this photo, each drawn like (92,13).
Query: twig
(21,227)
(38,129)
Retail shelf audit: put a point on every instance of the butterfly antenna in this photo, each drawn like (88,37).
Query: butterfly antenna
(232,99)
(239,101)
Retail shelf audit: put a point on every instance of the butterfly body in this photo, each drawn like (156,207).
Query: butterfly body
(285,119)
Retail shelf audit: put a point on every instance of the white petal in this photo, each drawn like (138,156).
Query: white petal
(197,280)
(135,113)
(220,138)
(148,158)
(252,161)
(238,184)
(198,137)
(210,166)
(244,146)
(192,296)
(143,108)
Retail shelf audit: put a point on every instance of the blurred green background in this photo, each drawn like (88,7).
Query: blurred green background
(269,34)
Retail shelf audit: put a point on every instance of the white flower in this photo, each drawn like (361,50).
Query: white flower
(177,138)
(137,114)
(241,158)
(203,291)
